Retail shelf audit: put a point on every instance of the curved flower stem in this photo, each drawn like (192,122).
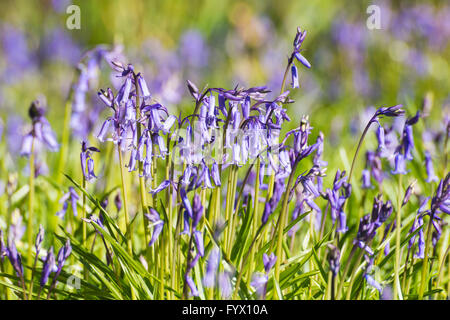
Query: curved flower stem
(283,84)
(398,248)
(366,129)
(30,209)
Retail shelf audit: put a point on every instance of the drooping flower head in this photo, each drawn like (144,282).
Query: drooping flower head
(41,131)
(87,163)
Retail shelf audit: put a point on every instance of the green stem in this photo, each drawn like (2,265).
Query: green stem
(425,259)
(255,215)
(366,129)
(125,201)
(84,226)
(282,220)
(353,276)
(30,209)
(397,288)
(142,191)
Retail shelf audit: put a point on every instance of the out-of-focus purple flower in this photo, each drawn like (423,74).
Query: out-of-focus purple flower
(19,58)
(118,202)
(41,131)
(408,137)
(259,282)
(3,247)
(71,196)
(371,282)
(225,285)
(27,142)
(211,268)
(373,163)
(197,211)
(17,228)
(158,224)
(429,167)
(198,239)
(380,138)
(269,261)
(366,184)
(59,45)
(400,165)
(270,206)
(191,285)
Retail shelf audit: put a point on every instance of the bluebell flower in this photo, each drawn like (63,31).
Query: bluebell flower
(14,257)
(269,261)
(41,131)
(429,168)
(400,165)
(294,73)
(145,93)
(198,239)
(87,163)
(163,185)
(71,197)
(47,267)
(371,282)
(191,285)
(259,282)
(3,247)
(225,286)
(336,198)
(211,268)
(333,257)
(380,138)
(158,224)
(366,184)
